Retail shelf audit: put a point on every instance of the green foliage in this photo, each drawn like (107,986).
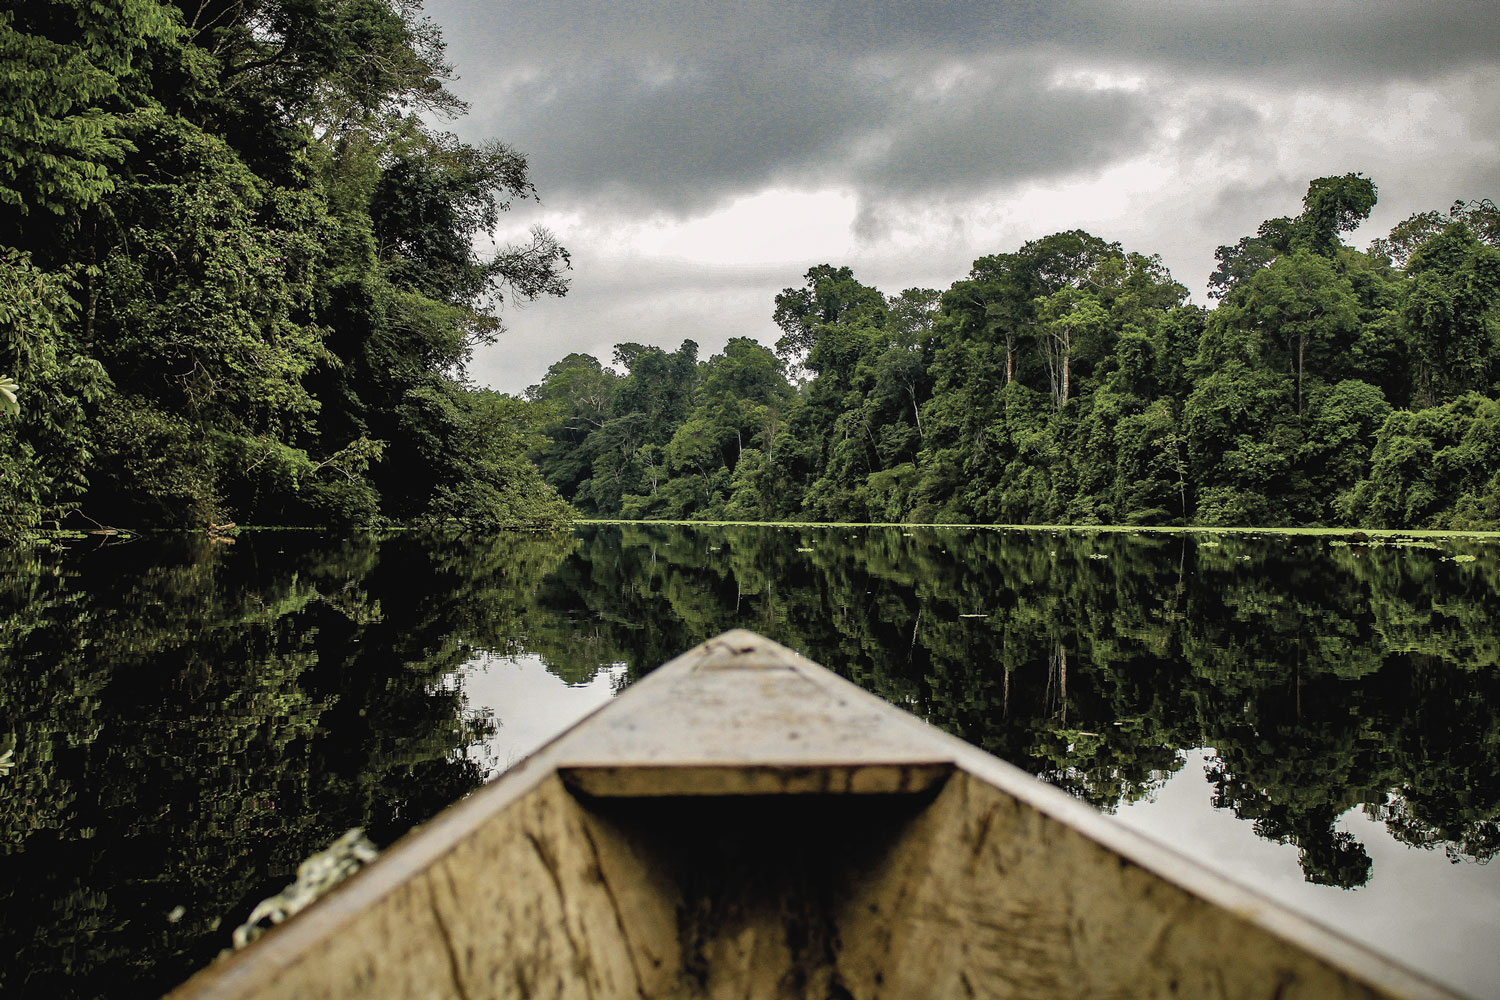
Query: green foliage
(1241,261)
(1452,313)
(47,447)
(161,470)
(481,476)
(1296,314)
(830,296)
(266,287)
(1332,205)
(72,75)
(1481,217)
(1435,468)
(210,318)
(1070,382)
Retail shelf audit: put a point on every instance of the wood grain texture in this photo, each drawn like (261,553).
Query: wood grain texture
(985,897)
(744,824)
(519,909)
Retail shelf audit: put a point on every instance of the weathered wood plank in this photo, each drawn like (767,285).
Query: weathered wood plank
(517,909)
(743,823)
(984,896)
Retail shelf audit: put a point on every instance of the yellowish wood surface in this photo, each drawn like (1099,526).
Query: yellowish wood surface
(742,823)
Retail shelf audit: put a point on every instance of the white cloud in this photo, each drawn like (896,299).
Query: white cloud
(767,227)
(953,158)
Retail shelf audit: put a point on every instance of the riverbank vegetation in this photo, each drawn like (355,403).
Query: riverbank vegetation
(239,277)
(1071,381)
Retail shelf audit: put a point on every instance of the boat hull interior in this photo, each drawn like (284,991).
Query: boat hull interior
(803,841)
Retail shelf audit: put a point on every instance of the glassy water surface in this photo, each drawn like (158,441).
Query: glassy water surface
(182,721)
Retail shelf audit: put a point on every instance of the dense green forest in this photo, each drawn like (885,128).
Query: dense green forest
(1071,381)
(239,281)
(239,276)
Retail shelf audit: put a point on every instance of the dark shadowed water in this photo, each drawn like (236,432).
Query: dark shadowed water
(182,721)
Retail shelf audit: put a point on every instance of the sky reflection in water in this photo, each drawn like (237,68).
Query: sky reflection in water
(185,721)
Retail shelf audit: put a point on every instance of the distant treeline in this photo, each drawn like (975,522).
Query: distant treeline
(238,275)
(1071,382)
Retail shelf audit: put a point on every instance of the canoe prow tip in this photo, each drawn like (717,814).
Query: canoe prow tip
(741,649)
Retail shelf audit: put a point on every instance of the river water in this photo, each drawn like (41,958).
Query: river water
(183,720)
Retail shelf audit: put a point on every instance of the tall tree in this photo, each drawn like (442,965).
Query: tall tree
(1297,305)
(830,295)
(1066,319)
(1331,206)
(1481,216)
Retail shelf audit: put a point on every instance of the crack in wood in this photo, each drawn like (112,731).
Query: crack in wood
(614,903)
(581,956)
(454,967)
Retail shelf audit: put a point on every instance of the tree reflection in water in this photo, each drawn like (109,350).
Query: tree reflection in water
(182,721)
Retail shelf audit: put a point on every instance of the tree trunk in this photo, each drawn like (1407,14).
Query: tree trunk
(1059,677)
(1066,359)
(1059,348)
(1301,351)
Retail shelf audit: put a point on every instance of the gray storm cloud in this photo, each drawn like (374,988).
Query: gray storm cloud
(675,105)
(947,115)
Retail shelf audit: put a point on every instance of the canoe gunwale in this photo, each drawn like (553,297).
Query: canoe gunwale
(614,753)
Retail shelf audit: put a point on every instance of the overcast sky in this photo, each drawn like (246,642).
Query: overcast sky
(698,157)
